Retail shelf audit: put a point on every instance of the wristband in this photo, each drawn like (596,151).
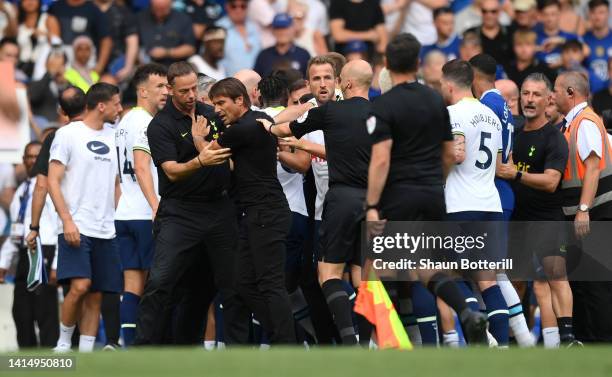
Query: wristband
(35,228)
(518,176)
(368,207)
(200,161)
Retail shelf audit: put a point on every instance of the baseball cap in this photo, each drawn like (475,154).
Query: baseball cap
(281,21)
(355,46)
(524,5)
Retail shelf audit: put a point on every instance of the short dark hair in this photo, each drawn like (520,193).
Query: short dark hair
(297,85)
(440,11)
(8,41)
(72,101)
(232,88)
(596,3)
(339,61)
(273,88)
(100,92)
(571,45)
(31,144)
(144,71)
(539,77)
(458,71)
(485,64)
(179,69)
(547,3)
(403,53)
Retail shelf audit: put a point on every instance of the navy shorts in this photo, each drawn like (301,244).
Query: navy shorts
(135,239)
(95,259)
(478,223)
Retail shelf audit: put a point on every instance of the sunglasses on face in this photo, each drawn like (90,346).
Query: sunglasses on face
(492,11)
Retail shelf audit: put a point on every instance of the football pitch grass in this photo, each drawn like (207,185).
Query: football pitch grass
(590,361)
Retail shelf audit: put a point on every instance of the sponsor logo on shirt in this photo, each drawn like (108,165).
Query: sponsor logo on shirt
(371,124)
(98,147)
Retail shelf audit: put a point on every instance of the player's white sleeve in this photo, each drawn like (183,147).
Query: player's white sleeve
(60,149)
(141,142)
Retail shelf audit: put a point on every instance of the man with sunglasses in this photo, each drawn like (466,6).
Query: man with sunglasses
(495,38)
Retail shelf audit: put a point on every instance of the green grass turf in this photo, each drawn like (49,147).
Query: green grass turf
(587,362)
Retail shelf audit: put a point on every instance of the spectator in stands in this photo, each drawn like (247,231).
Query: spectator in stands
(283,50)
(571,20)
(262,13)
(8,19)
(526,62)
(355,50)
(79,74)
(572,57)
(69,19)
(44,93)
(9,52)
(432,69)
(165,34)
(209,63)
(414,17)
(470,46)
(602,100)
(550,35)
(316,15)
(599,41)
(312,40)
(525,15)
(242,44)
(124,33)
(31,35)
(204,14)
(494,37)
(363,20)
(448,41)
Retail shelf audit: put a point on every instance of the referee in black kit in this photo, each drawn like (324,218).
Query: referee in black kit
(260,271)
(412,153)
(348,146)
(195,215)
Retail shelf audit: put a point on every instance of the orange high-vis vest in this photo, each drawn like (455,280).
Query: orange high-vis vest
(571,184)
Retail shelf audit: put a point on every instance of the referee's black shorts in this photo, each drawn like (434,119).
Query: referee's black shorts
(407,202)
(340,231)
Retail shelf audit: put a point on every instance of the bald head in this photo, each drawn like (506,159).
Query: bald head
(510,92)
(250,79)
(571,89)
(358,72)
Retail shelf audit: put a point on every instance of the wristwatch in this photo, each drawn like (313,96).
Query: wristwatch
(583,208)
(35,228)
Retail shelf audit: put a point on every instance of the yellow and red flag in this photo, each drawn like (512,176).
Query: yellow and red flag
(374,304)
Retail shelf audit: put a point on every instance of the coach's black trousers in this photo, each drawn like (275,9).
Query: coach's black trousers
(261,275)
(35,308)
(183,232)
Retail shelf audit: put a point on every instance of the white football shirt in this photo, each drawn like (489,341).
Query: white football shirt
(88,185)
(292,181)
(470,185)
(320,172)
(131,134)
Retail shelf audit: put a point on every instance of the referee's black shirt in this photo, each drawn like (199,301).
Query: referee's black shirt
(347,143)
(254,154)
(416,119)
(170,139)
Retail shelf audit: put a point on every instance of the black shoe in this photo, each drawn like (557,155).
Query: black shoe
(475,327)
(571,342)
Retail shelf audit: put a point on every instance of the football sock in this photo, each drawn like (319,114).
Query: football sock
(497,311)
(129,314)
(339,305)
(425,310)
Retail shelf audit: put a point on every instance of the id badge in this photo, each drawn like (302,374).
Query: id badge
(17,232)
